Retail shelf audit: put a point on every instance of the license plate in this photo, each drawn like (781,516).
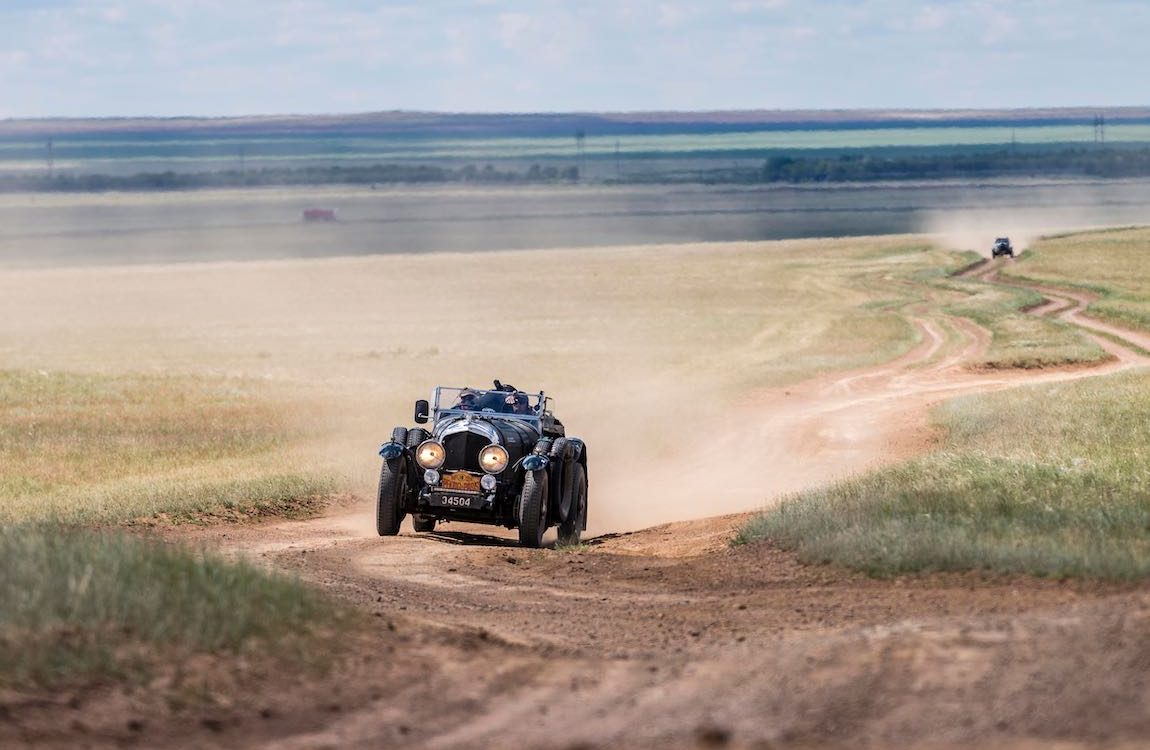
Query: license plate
(450,500)
(461,481)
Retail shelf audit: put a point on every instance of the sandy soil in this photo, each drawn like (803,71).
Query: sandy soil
(670,637)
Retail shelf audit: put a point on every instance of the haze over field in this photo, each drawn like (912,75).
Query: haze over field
(114,228)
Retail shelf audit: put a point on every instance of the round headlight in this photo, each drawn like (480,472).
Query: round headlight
(493,458)
(488,482)
(430,454)
(431,477)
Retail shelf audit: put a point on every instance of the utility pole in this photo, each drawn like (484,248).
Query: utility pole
(580,136)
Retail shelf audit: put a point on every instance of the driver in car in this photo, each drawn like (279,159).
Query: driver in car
(467,400)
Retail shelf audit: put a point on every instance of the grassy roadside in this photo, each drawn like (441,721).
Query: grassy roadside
(84,601)
(1018,340)
(83,605)
(1110,263)
(1049,480)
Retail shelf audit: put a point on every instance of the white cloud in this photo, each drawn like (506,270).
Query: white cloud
(512,27)
(13,58)
(930,18)
(170,56)
(758,6)
(674,15)
(998,25)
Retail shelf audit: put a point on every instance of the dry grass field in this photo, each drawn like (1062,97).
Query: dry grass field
(238,390)
(180,395)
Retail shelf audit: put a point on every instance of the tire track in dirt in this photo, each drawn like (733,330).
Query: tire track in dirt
(1070,305)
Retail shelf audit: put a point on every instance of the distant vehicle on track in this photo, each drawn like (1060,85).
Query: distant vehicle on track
(1002,246)
(496,456)
(318,214)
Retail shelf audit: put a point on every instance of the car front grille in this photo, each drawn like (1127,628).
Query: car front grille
(463,451)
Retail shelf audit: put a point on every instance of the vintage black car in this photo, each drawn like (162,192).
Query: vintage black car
(1002,246)
(496,456)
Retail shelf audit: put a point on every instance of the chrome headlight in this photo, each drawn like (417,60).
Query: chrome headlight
(431,477)
(493,459)
(488,482)
(430,454)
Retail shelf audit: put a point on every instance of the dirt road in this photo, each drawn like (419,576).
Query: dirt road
(669,637)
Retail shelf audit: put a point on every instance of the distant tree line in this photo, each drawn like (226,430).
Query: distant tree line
(1087,162)
(382,174)
(868,166)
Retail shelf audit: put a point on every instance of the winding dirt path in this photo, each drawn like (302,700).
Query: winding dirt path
(668,637)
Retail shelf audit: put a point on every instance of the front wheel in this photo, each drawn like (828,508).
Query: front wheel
(533,509)
(570,529)
(392,488)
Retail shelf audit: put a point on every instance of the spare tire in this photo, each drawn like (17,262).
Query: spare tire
(571,528)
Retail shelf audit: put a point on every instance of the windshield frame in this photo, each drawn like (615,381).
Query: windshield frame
(538,401)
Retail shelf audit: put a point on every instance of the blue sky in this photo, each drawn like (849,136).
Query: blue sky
(236,57)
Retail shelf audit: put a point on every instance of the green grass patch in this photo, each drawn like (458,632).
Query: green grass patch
(1110,263)
(1050,480)
(1018,340)
(82,605)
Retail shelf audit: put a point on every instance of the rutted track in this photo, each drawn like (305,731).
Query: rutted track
(1070,305)
(667,637)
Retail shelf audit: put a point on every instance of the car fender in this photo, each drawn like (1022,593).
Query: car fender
(391,450)
(539,457)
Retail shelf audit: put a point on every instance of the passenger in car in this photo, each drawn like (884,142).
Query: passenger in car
(519,403)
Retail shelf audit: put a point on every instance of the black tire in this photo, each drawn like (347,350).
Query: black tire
(570,530)
(399,435)
(415,436)
(389,506)
(533,509)
(423,523)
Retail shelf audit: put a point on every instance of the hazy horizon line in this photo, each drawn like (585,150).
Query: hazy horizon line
(735,115)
